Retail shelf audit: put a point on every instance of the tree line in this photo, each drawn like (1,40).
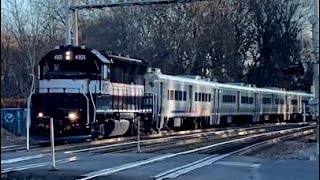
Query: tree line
(229,40)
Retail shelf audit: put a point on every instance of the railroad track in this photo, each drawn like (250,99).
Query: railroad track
(217,144)
(60,144)
(231,147)
(113,144)
(181,141)
(234,148)
(175,146)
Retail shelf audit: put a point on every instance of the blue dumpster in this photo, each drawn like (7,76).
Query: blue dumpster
(14,120)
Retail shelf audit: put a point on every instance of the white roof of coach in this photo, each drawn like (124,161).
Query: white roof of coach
(232,86)
(221,85)
(184,79)
(266,90)
(298,93)
(200,81)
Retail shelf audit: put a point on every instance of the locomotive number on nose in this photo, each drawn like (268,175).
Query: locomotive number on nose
(58,57)
(80,57)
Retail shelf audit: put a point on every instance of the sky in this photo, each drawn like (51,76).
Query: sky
(24,3)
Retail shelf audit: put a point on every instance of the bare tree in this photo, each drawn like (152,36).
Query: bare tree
(247,40)
(277,24)
(33,29)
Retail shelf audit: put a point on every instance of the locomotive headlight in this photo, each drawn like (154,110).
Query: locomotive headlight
(40,115)
(72,116)
(68,55)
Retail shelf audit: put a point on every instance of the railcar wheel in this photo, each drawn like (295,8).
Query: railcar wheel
(133,128)
(102,130)
(94,133)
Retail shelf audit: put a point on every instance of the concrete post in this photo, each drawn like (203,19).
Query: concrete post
(304,112)
(138,138)
(52,144)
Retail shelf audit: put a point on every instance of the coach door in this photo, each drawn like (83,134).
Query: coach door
(217,107)
(238,101)
(214,102)
(214,109)
(160,98)
(190,98)
(257,101)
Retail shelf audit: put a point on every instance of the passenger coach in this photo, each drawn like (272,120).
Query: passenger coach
(192,102)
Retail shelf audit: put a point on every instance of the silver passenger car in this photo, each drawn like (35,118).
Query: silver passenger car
(184,101)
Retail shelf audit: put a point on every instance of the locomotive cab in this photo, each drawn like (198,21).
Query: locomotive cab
(68,79)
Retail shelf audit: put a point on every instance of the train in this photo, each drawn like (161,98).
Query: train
(95,93)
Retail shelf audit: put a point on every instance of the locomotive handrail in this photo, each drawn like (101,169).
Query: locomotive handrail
(63,88)
(88,115)
(94,106)
(155,114)
(112,95)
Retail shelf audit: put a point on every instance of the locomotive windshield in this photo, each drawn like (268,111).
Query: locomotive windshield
(70,70)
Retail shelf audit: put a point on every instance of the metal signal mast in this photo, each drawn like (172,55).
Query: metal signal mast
(314,20)
(72,35)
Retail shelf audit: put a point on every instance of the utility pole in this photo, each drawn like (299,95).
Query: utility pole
(67,18)
(75,30)
(314,20)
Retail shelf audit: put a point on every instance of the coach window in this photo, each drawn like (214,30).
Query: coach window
(228,99)
(246,100)
(180,95)
(250,100)
(184,95)
(199,96)
(294,102)
(233,99)
(176,95)
(279,101)
(266,100)
(209,97)
(171,95)
(196,97)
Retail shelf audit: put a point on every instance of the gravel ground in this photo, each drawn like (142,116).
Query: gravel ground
(8,139)
(303,148)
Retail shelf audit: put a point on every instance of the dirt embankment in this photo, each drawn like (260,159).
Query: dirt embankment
(303,148)
(9,139)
